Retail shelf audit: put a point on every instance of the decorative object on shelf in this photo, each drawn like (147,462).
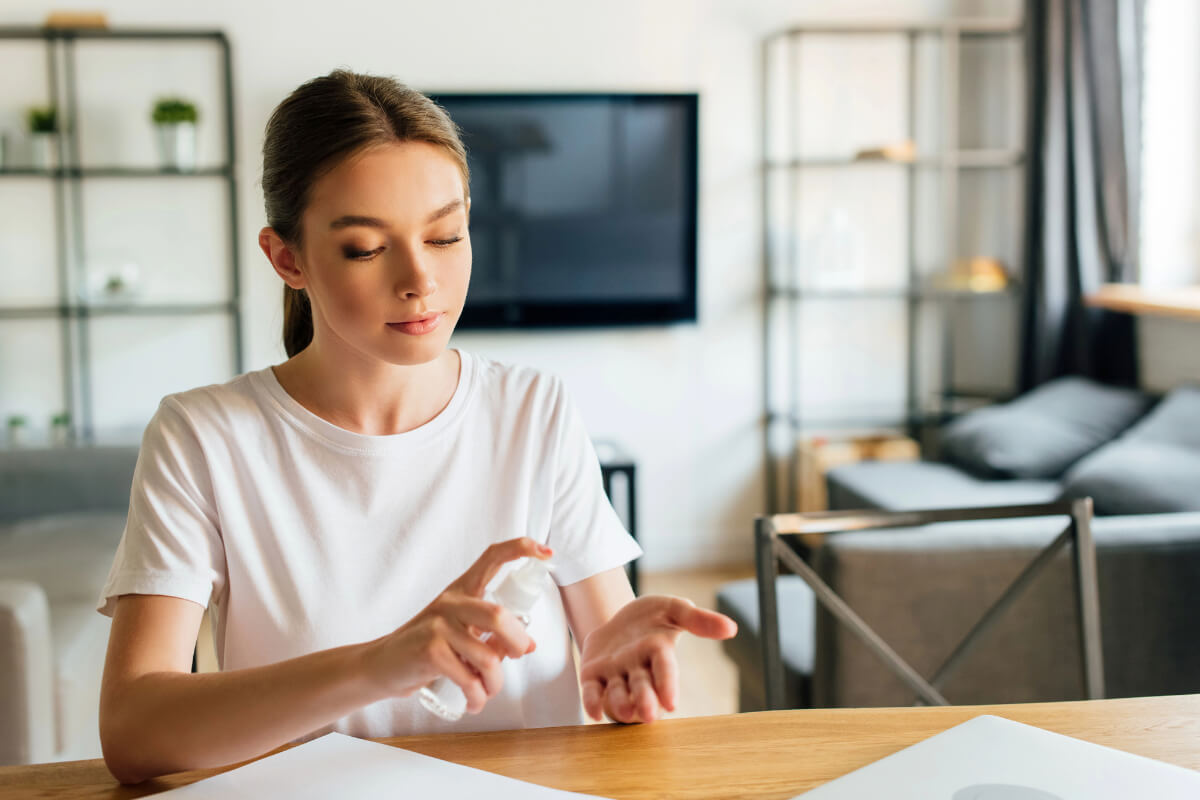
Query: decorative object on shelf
(43,130)
(111,277)
(60,429)
(175,120)
(977,274)
(904,152)
(18,430)
(77,19)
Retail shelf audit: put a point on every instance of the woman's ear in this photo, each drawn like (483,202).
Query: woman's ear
(282,258)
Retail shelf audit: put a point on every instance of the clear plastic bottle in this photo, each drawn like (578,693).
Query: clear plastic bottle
(519,593)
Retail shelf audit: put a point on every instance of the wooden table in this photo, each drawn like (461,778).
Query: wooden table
(773,754)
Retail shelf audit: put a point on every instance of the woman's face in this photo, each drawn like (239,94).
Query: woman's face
(387,256)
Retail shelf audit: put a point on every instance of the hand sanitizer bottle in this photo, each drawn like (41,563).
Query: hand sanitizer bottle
(518,592)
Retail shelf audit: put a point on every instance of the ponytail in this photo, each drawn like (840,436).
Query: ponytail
(297,320)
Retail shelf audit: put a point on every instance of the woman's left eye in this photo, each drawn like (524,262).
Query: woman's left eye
(445,242)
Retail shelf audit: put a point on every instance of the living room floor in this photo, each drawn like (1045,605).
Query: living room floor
(708,680)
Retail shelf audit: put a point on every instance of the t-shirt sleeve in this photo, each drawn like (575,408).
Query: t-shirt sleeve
(586,534)
(172,541)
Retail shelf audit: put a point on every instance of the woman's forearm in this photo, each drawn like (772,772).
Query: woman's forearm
(165,722)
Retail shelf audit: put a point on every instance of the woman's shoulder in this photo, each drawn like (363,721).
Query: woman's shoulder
(215,400)
(519,385)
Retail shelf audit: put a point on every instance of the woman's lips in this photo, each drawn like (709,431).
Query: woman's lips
(418,327)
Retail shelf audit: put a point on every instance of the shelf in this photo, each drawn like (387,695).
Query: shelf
(1179,303)
(966,26)
(898,293)
(964,159)
(113,309)
(114,172)
(39,32)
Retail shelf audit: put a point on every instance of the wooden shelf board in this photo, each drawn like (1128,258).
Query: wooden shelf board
(1180,303)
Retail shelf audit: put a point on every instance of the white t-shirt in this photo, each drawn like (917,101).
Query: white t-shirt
(303,536)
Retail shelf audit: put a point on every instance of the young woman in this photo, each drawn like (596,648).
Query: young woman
(342,513)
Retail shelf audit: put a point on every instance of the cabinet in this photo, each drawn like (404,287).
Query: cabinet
(893,189)
(105,202)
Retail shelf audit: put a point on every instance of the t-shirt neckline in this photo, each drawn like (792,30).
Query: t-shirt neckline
(308,422)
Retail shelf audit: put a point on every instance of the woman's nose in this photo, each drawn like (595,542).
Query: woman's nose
(415,279)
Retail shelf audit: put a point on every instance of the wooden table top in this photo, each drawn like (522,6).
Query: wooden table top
(772,754)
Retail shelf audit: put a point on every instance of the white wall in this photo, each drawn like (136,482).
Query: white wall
(685,400)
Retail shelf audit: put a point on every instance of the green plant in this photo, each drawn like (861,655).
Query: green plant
(61,419)
(43,119)
(173,109)
(18,421)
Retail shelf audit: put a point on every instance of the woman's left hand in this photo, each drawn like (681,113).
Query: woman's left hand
(629,670)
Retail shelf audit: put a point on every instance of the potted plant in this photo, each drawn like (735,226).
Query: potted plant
(43,131)
(60,428)
(18,426)
(175,120)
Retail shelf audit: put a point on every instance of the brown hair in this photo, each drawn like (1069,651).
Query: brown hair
(314,129)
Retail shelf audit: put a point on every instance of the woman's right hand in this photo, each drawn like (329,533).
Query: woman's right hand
(443,639)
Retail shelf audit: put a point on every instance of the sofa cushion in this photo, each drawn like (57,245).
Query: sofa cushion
(910,485)
(797,608)
(69,554)
(51,480)
(1042,433)
(1153,468)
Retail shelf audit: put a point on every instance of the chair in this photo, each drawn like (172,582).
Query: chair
(787,540)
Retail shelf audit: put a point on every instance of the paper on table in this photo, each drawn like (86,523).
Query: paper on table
(337,765)
(992,758)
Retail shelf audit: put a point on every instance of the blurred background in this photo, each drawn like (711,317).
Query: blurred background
(760,241)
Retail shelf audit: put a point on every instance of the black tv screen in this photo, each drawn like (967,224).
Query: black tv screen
(583,208)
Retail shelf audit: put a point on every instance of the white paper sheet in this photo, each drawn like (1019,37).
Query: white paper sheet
(341,766)
(992,758)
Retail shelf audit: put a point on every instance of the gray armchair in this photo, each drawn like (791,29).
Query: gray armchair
(62,512)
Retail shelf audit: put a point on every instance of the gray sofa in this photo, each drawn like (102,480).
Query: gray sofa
(62,512)
(922,588)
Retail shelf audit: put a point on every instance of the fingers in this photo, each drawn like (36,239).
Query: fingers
(481,662)
(702,622)
(643,701)
(665,671)
(448,662)
(593,698)
(508,635)
(617,703)
(477,577)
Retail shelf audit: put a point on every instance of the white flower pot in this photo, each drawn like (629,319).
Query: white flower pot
(177,145)
(44,150)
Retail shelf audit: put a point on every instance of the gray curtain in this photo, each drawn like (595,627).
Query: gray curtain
(1083,186)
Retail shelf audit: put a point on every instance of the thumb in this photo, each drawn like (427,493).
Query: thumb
(706,624)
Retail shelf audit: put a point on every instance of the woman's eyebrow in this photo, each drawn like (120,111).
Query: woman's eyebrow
(444,210)
(351,220)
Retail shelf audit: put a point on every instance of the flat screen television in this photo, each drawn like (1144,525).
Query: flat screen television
(583,208)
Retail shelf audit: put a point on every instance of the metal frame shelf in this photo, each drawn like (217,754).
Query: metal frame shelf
(782,489)
(61,65)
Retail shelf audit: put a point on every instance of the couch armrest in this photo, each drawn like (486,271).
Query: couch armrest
(922,589)
(26,674)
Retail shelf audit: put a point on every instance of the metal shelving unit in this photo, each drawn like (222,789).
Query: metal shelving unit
(784,423)
(74,314)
